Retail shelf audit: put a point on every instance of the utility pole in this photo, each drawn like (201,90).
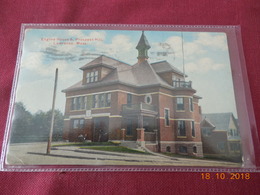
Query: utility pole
(183,63)
(52,114)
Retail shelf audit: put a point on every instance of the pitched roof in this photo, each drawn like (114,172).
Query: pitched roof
(164,66)
(138,75)
(106,61)
(145,75)
(219,120)
(143,43)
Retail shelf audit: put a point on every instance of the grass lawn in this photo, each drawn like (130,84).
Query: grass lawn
(121,149)
(88,144)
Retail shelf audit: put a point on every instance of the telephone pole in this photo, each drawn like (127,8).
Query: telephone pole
(52,115)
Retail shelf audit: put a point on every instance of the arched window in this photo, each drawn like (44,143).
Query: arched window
(194,149)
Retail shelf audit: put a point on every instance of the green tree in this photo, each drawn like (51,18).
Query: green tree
(22,123)
(32,128)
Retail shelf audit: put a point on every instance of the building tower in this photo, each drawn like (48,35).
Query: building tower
(143,46)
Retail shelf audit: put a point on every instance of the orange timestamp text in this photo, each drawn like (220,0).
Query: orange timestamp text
(225,176)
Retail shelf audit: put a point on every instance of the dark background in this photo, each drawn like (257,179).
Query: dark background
(245,13)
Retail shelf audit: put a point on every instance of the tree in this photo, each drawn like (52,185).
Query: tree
(33,128)
(22,123)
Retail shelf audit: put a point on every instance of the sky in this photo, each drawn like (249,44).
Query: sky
(204,55)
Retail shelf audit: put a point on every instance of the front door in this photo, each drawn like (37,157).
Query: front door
(100,129)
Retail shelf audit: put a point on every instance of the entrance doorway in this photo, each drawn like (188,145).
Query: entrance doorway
(100,129)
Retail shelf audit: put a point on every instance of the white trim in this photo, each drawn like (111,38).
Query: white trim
(100,114)
(115,116)
(77,110)
(184,96)
(100,108)
(116,90)
(77,116)
(93,115)
(179,119)
(183,119)
(180,142)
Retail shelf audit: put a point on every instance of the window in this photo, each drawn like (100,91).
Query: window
(95,101)
(191,104)
(129,98)
(108,99)
(166,117)
(168,149)
(194,149)
(192,129)
(180,103)
(176,81)
(92,76)
(181,128)
(78,123)
(95,76)
(148,99)
(84,102)
(81,123)
(233,132)
(183,149)
(73,104)
(88,77)
(78,103)
(101,100)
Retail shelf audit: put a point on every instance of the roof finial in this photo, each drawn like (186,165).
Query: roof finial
(142,47)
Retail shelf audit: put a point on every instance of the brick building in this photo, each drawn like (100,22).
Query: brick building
(150,104)
(220,136)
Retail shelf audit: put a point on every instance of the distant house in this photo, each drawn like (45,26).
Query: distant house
(150,104)
(220,136)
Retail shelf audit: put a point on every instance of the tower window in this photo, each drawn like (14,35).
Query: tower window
(92,76)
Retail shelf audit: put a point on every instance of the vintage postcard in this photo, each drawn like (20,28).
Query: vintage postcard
(133,97)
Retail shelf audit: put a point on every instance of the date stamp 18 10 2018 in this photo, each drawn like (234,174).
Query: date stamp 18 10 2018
(225,176)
